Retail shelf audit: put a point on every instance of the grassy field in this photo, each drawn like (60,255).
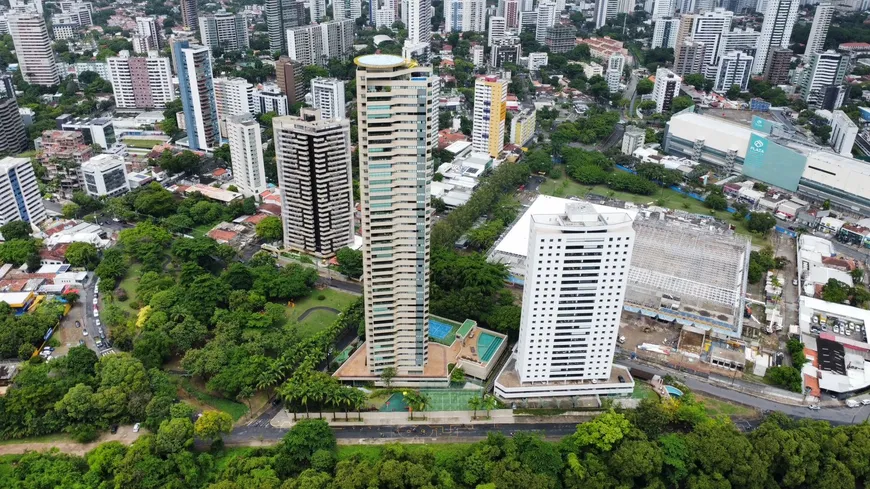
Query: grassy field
(200,230)
(318,320)
(53,438)
(665,197)
(143,143)
(234,409)
(642,390)
(129,284)
(715,407)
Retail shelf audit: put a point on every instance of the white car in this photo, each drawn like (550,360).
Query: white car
(794,282)
(136,428)
(865,402)
(96,301)
(96,313)
(97,322)
(85,331)
(815,407)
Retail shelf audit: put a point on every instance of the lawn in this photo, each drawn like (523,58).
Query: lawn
(52,438)
(143,143)
(199,231)
(715,407)
(665,197)
(642,390)
(234,409)
(129,284)
(318,320)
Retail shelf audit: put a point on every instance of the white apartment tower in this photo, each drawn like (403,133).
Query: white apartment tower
(233,96)
(397,103)
(665,33)
(490,106)
(843,133)
(824,70)
(662,9)
(497,30)
(667,86)
(314,177)
(779,19)
(20,199)
(317,8)
(615,65)
(633,138)
(418,44)
(546,18)
(327,95)
(33,49)
(141,82)
(464,15)
(819,30)
(346,9)
(734,69)
(709,27)
(246,153)
(576,274)
(105,175)
(224,30)
(609,9)
(743,40)
(147,37)
(317,44)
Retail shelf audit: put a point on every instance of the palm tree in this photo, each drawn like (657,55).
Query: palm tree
(475,403)
(338,399)
(489,403)
(287,392)
(415,401)
(358,399)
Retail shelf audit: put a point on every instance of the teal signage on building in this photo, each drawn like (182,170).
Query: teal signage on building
(773,164)
(762,125)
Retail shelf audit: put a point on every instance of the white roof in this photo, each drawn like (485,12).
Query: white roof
(833,222)
(750,194)
(719,134)
(811,305)
(842,173)
(810,243)
(516,241)
(821,275)
(458,147)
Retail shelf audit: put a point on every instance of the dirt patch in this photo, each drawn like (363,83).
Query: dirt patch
(638,329)
(67,333)
(124,435)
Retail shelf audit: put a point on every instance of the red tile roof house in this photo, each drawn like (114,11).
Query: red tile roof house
(222,236)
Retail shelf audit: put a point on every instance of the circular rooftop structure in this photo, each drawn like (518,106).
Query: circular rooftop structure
(380,61)
(382,38)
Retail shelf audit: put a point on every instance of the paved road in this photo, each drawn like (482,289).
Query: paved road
(630,93)
(614,138)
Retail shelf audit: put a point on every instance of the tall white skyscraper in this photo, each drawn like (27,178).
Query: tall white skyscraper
(147,37)
(141,82)
(233,96)
(490,105)
(317,8)
(196,89)
(33,49)
(397,103)
(246,153)
(609,9)
(709,27)
(464,15)
(20,199)
(546,18)
(819,30)
(663,8)
(779,19)
(280,16)
(224,30)
(824,70)
(743,40)
(667,86)
(418,44)
(843,133)
(665,33)
(497,29)
(346,9)
(615,65)
(317,44)
(314,176)
(327,95)
(734,68)
(576,274)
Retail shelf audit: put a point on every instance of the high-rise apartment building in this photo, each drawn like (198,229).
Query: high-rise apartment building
(270,99)
(280,16)
(147,37)
(497,30)
(490,112)
(233,96)
(33,49)
(824,70)
(577,272)
(665,33)
(62,154)
(397,103)
(819,30)
(632,139)
(778,66)
(317,44)
(560,38)
(196,89)
(290,79)
(464,15)
(327,95)
(20,199)
(346,9)
(418,44)
(666,87)
(615,65)
(546,18)
(843,133)
(224,30)
(246,153)
(478,56)
(511,13)
(13,137)
(708,27)
(317,9)
(734,69)
(779,19)
(141,82)
(105,175)
(190,14)
(691,57)
(743,40)
(663,9)
(523,126)
(314,176)
(608,9)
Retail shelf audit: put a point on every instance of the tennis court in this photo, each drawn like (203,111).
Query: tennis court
(442,330)
(449,399)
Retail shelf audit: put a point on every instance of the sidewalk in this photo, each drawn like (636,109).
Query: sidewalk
(284,418)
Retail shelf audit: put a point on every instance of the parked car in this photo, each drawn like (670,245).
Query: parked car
(96,312)
(97,322)
(85,331)
(852,403)
(96,301)
(136,428)
(794,282)
(114,429)
(78,324)
(815,407)
(865,402)
(81,342)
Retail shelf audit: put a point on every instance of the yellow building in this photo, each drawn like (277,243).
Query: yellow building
(523,126)
(490,111)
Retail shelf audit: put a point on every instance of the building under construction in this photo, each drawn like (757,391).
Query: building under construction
(689,274)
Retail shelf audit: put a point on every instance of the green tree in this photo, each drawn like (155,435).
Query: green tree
(835,291)
(15,230)
(303,440)
(270,229)
(680,103)
(716,202)
(174,435)
(760,222)
(350,262)
(83,255)
(212,424)
(644,86)
(734,92)
(387,376)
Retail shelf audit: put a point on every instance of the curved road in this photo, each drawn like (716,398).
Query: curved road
(318,308)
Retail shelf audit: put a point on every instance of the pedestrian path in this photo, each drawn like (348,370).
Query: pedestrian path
(284,418)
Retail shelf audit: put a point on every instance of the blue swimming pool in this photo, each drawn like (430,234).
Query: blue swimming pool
(439,330)
(674,391)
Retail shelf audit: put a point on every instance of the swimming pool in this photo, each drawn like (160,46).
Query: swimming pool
(439,330)
(674,391)
(487,345)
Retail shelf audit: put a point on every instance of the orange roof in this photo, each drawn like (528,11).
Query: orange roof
(219,172)
(813,384)
(256,218)
(273,209)
(222,235)
(813,355)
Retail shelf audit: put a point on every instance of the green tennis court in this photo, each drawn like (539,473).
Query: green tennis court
(439,400)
